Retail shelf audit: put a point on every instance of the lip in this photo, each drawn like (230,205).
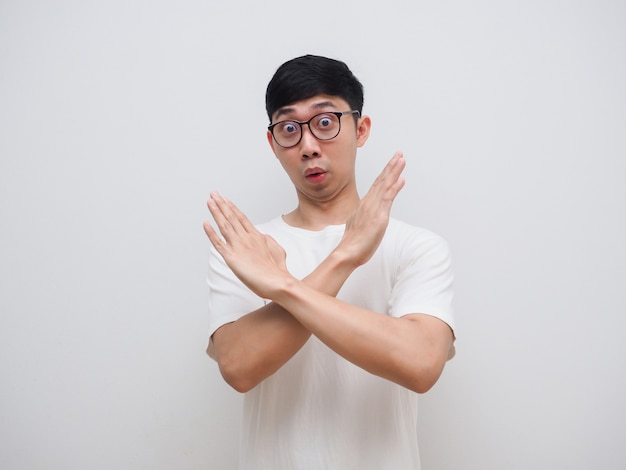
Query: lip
(313,171)
(315,175)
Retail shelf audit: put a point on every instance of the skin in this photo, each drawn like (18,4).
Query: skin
(411,350)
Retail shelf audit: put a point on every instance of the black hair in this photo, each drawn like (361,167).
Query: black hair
(304,77)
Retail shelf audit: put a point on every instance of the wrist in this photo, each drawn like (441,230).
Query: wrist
(330,275)
(342,260)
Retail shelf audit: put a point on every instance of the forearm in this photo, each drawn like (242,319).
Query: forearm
(259,343)
(410,350)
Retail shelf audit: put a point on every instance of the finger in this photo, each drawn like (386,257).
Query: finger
(398,186)
(228,219)
(233,214)
(395,167)
(241,217)
(396,180)
(220,218)
(215,239)
(391,171)
(392,190)
(385,187)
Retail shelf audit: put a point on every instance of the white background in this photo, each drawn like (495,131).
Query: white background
(116,120)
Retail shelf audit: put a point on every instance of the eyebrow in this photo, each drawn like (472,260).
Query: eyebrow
(320,105)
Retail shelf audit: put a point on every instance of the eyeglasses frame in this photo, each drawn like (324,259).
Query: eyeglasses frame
(339,114)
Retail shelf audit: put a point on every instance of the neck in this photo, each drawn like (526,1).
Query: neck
(315,215)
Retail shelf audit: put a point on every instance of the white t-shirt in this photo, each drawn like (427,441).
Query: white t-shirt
(319,411)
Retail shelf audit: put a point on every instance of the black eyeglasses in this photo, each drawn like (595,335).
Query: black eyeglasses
(323,126)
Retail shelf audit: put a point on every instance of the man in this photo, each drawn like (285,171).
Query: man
(334,315)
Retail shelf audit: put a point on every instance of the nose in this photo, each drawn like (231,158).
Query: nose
(309,144)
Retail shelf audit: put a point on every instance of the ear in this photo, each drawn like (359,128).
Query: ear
(363,126)
(270,140)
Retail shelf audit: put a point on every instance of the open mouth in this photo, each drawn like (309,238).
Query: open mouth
(316,176)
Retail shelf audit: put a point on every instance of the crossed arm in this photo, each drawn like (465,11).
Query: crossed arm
(410,350)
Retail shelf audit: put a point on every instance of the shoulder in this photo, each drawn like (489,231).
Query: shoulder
(400,234)
(407,245)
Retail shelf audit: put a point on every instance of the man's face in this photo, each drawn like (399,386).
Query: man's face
(321,170)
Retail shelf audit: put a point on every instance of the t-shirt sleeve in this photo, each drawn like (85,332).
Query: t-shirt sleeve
(423,279)
(229,298)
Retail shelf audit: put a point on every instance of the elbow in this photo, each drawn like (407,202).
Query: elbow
(238,383)
(424,377)
(235,376)
(423,385)
(232,367)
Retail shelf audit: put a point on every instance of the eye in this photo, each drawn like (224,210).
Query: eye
(289,128)
(325,121)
